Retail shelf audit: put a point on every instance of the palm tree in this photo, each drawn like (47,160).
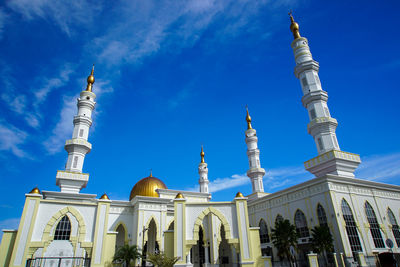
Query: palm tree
(284,236)
(322,241)
(127,254)
(161,260)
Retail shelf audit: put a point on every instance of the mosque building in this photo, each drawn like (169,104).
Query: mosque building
(70,228)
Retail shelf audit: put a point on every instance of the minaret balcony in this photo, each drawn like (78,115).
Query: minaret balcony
(321,125)
(79,119)
(312,96)
(78,144)
(333,162)
(255,172)
(308,65)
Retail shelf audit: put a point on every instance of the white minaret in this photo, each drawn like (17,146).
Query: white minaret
(203,173)
(322,126)
(72,180)
(255,173)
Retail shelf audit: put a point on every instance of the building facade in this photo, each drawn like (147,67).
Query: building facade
(76,229)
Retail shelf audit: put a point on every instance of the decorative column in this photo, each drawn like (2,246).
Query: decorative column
(322,126)
(179,231)
(100,231)
(242,217)
(255,173)
(203,172)
(72,180)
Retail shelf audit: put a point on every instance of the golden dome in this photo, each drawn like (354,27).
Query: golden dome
(294,27)
(202,155)
(179,196)
(239,194)
(104,196)
(147,187)
(90,80)
(248,119)
(35,191)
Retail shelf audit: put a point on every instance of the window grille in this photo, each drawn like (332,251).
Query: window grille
(75,162)
(63,230)
(301,224)
(395,227)
(313,114)
(374,226)
(264,237)
(322,219)
(320,144)
(351,228)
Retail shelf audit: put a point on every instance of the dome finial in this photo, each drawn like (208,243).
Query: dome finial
(151,173)
(248,119)
(294,27)
(90,80)
(202,155)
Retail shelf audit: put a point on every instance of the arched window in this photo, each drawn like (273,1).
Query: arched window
(171,226)
(374,226)
(323,221)
(351,228)
(395,227)
(63,229)
(120,240)
(301,224)
(278,218)
(264,237)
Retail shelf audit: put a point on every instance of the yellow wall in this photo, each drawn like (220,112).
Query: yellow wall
(169,244)
(109,248)
(7,244)
(256,247)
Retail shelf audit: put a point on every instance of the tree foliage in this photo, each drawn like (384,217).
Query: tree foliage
(321,239)
(284,235)
(161,260)
(127,254)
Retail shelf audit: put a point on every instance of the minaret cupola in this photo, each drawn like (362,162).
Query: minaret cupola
(203,173)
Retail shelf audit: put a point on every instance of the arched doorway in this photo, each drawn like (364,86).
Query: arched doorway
(120,241)
(151,245)
(224,250)
(198,251)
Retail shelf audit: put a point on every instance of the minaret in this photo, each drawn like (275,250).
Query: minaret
(322,126)
(72,180)
(255,173)
(203,172)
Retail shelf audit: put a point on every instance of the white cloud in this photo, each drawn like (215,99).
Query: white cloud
(380,167)
(63,128)
(66,14)
(11,139)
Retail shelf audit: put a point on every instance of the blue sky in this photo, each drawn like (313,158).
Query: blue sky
(172,75)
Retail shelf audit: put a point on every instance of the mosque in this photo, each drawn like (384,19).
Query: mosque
(69,228)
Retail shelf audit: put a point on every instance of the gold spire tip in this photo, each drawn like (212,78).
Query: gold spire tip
(294,27)
(90,80)
(202,154)
(151,173)
(248,119)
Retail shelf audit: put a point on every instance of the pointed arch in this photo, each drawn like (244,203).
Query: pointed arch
(57,217)
(301,223)
(351,228)
(220,216)
(321,214)
(63,229)
(123,225)
(374,227)
(395,226)
(264,235)
(158,229)
(278,218)
(171,225)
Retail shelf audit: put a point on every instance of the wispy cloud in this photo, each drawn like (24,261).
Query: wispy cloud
(11,223)
(3,18)
(382,168)
(63,128)
(274,179)
(66,14)
(11,139)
